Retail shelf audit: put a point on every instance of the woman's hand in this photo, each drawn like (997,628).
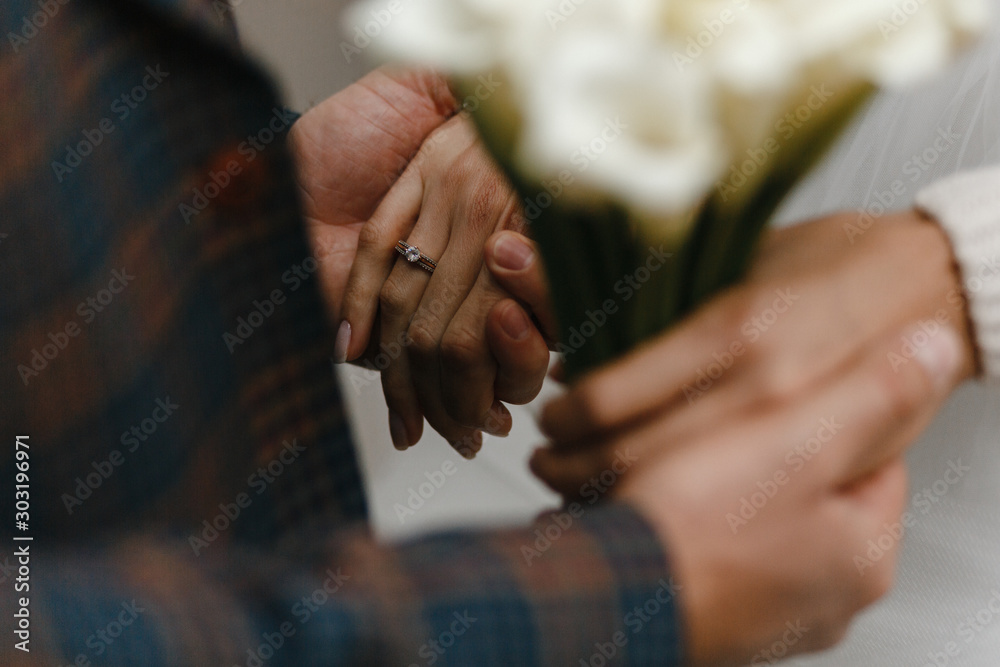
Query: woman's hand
(450,345)
(816,303)
(350,150)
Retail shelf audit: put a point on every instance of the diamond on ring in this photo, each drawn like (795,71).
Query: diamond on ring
(412,254)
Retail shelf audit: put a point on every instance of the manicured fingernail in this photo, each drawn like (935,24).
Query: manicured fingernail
(342,343)
(515,323)
(397,431)
(940,355)
(512,253)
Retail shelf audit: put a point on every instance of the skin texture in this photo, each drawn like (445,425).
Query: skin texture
(387,159)
(448,202)
(813,305)
(837,351)
(788,572)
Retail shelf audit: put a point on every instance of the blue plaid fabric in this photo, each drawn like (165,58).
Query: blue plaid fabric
(195,498)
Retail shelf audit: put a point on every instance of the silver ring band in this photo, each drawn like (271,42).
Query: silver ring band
(412,254)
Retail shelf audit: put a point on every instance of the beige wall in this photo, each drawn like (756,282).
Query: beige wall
(299,41)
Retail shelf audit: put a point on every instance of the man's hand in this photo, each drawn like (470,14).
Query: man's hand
(814,304)
(769,429)
(350,150)
(768,519)
(380,162)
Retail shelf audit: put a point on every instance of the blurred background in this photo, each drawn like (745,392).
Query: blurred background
(300,41)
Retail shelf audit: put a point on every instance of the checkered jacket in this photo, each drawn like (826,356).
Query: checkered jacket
(187,474)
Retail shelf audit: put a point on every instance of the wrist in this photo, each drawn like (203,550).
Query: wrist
(966,207)
(950,304)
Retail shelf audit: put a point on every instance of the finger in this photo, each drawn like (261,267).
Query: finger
(872,411)
(468,367)
(515,263)
(520,350)
(646,380)
(406,420)
(874,506)
(399,301)
(376,255)
(569,474)
(901,385)
(460,274)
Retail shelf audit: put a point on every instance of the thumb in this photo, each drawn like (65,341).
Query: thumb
(516,265)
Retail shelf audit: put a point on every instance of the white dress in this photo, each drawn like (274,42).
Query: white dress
(945,609)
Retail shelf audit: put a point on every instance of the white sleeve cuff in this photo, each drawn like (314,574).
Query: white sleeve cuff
(967,206)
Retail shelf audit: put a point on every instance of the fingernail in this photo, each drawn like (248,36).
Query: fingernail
(515,323)
(468,447)
(342,343)
(397,431)
(512,253)
(941,355)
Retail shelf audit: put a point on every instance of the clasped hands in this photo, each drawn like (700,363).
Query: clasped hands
(816,407)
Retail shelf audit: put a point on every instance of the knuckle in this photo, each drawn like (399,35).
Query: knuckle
(392,299)
(470,410)
(901,393)
(590,402)
(738,310)
(462,347)
(371,235)
(356,294)
(423,337)
(487,204)
(781,381)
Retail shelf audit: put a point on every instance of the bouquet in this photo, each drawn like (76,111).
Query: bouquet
(651,140)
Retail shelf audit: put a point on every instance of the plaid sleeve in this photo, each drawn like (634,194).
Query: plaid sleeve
(162,344)
(577,588)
